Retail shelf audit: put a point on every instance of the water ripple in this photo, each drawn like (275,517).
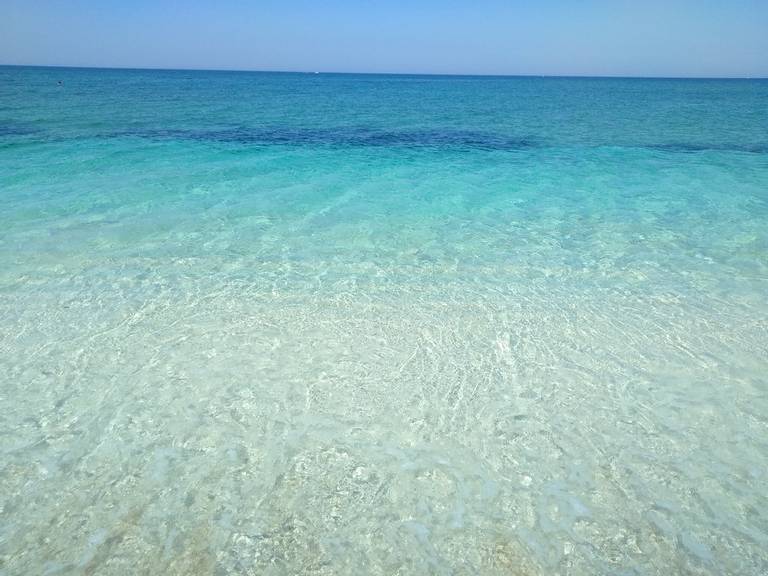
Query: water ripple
(754,148)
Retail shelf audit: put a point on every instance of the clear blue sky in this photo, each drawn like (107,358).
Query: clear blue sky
(579,37)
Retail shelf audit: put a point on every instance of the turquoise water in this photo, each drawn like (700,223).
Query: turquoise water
(338,324)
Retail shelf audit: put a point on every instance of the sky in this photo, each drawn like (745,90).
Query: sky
(680,38)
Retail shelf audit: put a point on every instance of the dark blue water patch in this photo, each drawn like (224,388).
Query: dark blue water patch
(18,134)
(15,130)
(367,137)
(356,137)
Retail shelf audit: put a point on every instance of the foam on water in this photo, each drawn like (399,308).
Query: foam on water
(270,324)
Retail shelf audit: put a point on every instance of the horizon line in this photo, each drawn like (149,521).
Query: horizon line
(448,74)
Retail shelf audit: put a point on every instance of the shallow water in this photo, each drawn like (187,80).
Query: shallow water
(283,323)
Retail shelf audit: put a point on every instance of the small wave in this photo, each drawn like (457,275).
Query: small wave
(760,148)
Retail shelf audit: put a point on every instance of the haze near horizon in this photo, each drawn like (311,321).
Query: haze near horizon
(680,38)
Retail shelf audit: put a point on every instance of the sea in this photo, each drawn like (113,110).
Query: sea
(329,324)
